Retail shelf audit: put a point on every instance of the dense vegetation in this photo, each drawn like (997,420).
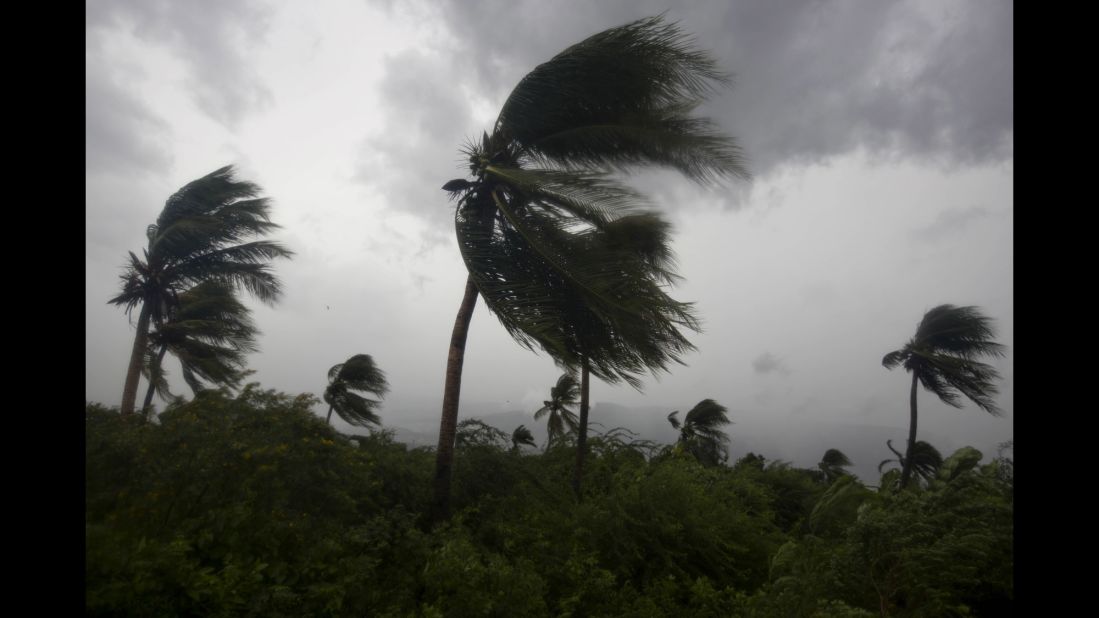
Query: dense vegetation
(251,505)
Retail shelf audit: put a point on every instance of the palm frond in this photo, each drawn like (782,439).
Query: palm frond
(358,373)
(620,98)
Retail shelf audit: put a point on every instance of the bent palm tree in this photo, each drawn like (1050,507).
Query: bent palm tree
(358,373)
(521,436)
(833,464)
(942,357)
(540,200)
(562,420)
(700,433)
(198,237)
(210,332)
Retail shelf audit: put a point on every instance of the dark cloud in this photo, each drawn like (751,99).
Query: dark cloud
(768,363)
(814,80)
(206,35)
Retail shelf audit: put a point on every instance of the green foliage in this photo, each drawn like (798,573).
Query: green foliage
(943,551)
(250,505)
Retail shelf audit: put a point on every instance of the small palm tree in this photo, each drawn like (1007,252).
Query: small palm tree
(923,460)
(358,373)
(620,99)
(210,332)
(942,356)
(833,464)
(700,433)
(199,236)
(562,419)
(521,436)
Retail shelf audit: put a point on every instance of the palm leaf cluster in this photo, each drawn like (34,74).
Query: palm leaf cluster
(210,332)
(207,231)
(521,436)
(202,234)
(923,459)
(566,257)
(943,356)
(561,419)
(700,433)
(358,373)
(832,464)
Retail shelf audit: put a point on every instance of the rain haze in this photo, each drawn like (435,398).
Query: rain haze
(879,134)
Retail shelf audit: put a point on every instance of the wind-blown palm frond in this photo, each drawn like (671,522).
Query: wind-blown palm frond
(204,233)
(925,460)
(562,419)
(942,356)
(358,373)
(210,332)
(521,436)
(700,433)
(620,98)
(833,464)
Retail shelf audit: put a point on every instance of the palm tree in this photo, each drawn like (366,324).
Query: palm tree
(199,236)
(541,200)
(700,433)
(922,459)
(210,332)
(358,373)
(833,464)
(521,436)
(562,420)
(942,357)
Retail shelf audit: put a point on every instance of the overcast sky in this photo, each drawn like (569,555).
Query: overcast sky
(880,135)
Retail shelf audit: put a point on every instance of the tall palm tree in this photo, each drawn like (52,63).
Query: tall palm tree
(540,194)
(210,332)
(200,235)
(562,420)
(358,373)
(833,464)
(942,356)
(700,432)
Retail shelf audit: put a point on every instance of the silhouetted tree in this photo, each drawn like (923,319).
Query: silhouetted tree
(199,236)
(942,357)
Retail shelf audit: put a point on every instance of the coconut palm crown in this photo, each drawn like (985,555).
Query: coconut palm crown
(561,418)
(358,373)
(210,332)
(700,433)
(942,356)
(204,232)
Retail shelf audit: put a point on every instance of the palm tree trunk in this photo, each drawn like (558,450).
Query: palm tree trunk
(582,431)
(444,454)
(153,371)
(133,373)
(906,470)
(329,419)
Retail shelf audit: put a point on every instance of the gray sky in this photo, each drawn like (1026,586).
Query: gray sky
(880,135)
